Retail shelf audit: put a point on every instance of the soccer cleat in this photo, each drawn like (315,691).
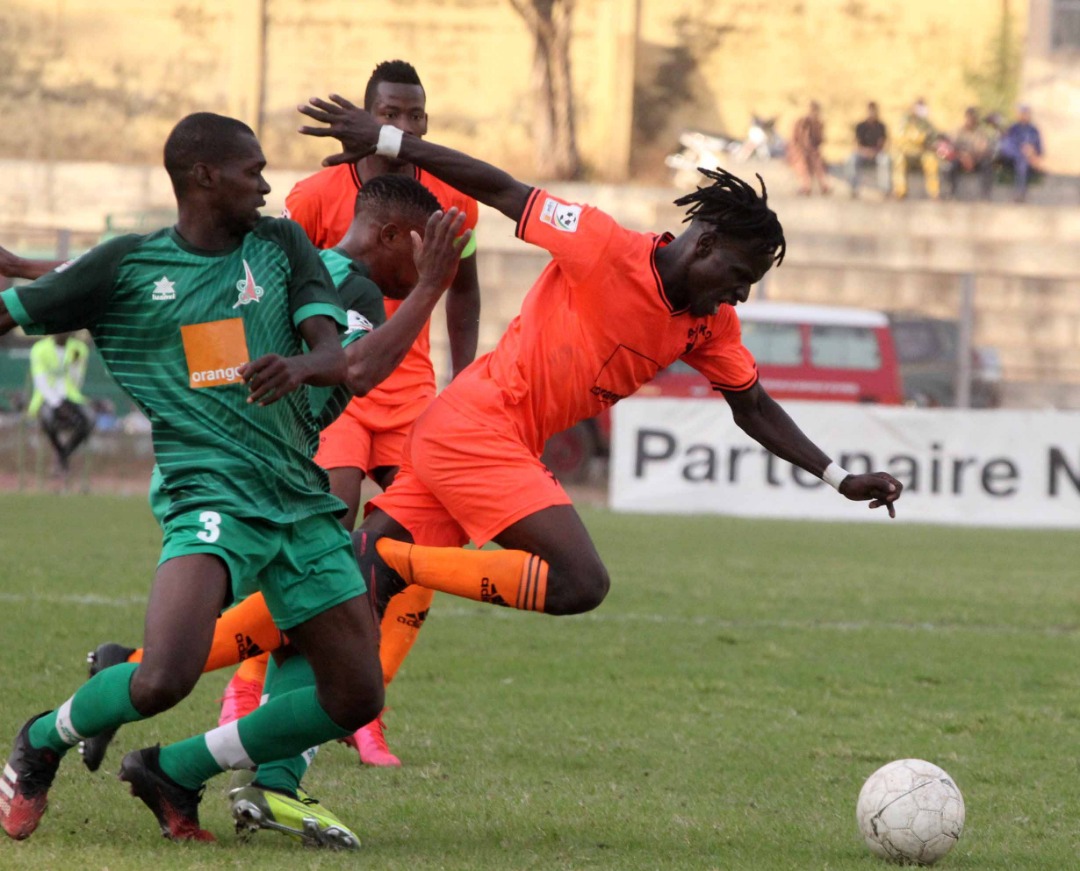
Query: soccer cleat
(176,807)
(254,808)
(241,698)
(24,786)
(101,657)
(370,742)
(382,580)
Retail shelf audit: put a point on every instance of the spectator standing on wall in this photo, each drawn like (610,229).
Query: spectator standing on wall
(870,138)
(805,151)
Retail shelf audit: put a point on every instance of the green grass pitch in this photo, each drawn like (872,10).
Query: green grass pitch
(719,711)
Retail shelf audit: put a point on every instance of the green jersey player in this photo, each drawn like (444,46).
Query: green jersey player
(204,326)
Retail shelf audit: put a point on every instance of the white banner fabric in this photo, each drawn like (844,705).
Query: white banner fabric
(980,468)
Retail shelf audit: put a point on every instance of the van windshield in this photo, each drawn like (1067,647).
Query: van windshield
(773,344)
(844,348)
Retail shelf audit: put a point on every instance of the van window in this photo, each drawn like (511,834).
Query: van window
(773,344)
(844,348)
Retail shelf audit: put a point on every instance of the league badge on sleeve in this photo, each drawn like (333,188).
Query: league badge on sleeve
(561,216)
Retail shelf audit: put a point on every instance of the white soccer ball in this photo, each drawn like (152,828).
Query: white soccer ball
(910,811)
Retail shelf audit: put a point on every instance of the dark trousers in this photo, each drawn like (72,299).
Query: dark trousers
(67,426)
(984,169)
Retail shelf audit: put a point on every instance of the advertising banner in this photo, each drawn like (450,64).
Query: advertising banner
(973,467)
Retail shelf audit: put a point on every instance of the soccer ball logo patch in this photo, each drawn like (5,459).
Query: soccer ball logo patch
(561,216)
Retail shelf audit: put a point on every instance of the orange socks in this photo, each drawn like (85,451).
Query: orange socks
(244,631)
(254,669)
(401,623)
(514,578)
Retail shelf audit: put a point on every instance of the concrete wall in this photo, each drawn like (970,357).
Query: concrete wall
(105,79)
(905,255)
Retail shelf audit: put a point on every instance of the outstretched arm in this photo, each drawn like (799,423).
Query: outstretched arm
(760,417)
(360,135)
(463,314)
(13,266)
(437,257)
(7,322)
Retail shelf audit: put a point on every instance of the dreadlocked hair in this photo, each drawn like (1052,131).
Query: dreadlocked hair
(736,209)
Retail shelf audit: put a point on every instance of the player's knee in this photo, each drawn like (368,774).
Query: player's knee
(157,690)
(356,709)
(579,590)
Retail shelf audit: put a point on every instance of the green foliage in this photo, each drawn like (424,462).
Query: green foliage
(996,81)
(720,710)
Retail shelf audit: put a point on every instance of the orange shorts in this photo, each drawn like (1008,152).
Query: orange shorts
(464,480)
(349,443)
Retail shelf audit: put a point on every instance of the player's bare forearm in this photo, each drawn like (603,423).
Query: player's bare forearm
(273,376)
(324,364)
(7,322)
(463,315)
(373,358)
(358,133)
(437,256)
(761,417)
(12,266)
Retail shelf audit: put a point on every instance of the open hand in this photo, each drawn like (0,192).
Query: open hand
(438,254)
(355,129)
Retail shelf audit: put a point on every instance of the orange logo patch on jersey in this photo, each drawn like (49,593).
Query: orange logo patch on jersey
(215,351)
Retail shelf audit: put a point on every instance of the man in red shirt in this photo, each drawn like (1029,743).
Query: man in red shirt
(367,440)
(611,309)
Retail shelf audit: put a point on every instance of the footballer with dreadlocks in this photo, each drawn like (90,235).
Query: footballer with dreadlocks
(611,309)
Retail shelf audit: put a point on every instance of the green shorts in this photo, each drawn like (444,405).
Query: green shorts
(302,569)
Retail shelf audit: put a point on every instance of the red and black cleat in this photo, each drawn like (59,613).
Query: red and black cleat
(24,786)
(176,807)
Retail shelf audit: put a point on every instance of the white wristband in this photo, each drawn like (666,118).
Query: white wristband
(389,143)
(834,475)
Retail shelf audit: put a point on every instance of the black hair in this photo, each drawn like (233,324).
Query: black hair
(202,138)
(392,194)
(396,72)
(736,209)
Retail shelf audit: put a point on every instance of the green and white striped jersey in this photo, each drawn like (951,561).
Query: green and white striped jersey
(364,308)
(173,323)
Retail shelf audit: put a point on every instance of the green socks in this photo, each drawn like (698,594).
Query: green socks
(103,702)
(291,722)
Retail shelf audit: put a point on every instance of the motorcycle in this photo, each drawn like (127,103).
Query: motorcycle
(713,150)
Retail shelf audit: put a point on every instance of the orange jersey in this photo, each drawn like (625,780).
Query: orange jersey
(595,326)
(323,204)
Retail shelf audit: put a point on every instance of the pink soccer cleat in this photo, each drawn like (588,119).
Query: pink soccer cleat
(370,743)
(241,698)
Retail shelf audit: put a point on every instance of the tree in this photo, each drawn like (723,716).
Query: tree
(997,81)
(556,143)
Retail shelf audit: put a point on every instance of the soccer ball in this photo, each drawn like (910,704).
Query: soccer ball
(910,811)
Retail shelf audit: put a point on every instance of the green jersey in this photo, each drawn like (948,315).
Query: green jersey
(364,308)
(173,325)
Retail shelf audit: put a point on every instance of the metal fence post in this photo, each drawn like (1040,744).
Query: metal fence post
(963,343)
